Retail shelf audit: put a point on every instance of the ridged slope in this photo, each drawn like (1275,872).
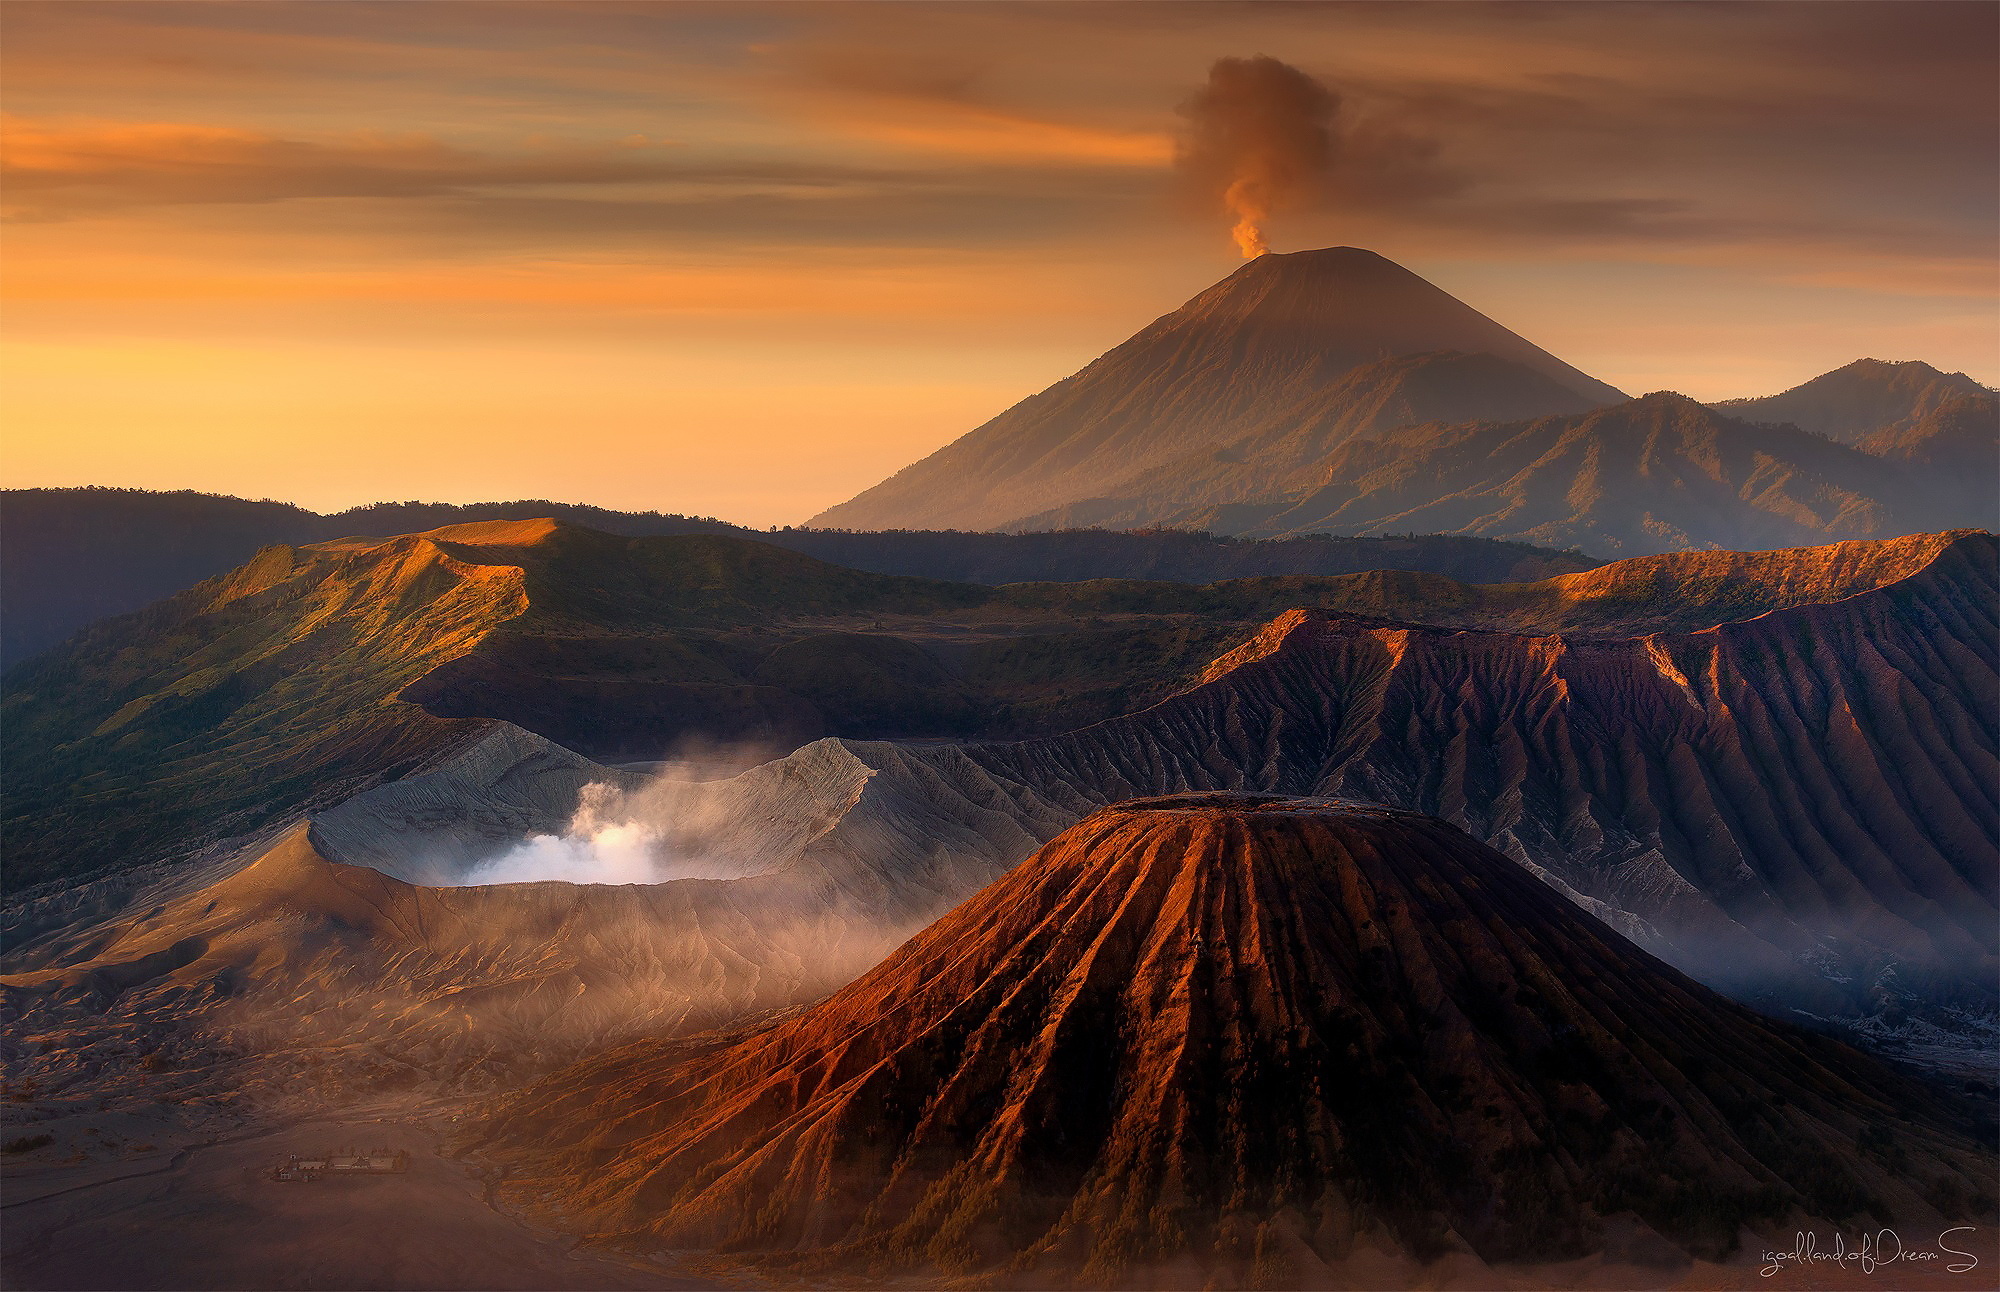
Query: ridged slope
(1810,791)
(1263,344)
(313,672)
(278,687)
(1240,1033)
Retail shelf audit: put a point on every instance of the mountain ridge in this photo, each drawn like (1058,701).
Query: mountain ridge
(75,556)
(1656,474)
(621,646)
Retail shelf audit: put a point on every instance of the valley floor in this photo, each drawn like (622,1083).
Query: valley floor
(203,1213)
(192,1206)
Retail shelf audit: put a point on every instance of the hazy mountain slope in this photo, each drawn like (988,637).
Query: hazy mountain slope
(1237,1034)
(1863,399)
(1954,449)
(1661,473)
(350,955)
(78,555)
(335,979)
(1286,456)
(74,556)
(1258,350)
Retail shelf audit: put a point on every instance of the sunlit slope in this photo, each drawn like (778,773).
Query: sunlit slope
(1237,1038)
(264,690)
(1798,802)
(276,687)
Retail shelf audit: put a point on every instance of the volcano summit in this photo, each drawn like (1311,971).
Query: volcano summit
(1239,1038)
(1271,351)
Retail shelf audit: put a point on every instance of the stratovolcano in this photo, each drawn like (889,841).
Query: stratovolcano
(1265,353)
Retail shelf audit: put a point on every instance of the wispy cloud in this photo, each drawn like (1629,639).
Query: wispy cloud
(53,170)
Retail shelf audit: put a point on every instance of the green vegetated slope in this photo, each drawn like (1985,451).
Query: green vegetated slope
(314,671)
(272,686)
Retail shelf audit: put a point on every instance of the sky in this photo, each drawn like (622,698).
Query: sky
(745,260)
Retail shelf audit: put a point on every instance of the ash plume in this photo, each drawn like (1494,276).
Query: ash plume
(1260,139)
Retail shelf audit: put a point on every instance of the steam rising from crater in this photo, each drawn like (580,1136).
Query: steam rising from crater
(1260,139)
(604,843)
(687,822)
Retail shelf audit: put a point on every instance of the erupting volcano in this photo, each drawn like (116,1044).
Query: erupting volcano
(1243,1039)
(1265,352)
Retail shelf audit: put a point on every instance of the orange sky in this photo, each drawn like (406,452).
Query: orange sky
(746,260)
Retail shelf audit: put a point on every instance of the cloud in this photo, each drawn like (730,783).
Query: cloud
(55,171)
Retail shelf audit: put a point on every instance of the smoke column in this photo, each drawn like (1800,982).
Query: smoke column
(1261,138)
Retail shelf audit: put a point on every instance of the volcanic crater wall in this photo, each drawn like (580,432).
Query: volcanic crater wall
(1805,797)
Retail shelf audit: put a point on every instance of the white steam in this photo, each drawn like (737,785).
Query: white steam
(602,844)
(692,820)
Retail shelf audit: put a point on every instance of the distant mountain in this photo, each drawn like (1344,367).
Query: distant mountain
(1657,474)
(1263,357)
(73,556)
(1865,399)
(1237,1040)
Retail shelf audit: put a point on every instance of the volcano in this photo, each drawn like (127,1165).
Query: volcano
(1263,354)
(1239,1039)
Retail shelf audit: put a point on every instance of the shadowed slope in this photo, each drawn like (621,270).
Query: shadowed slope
(1864,399)
(1245,1034)
(1262,349)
